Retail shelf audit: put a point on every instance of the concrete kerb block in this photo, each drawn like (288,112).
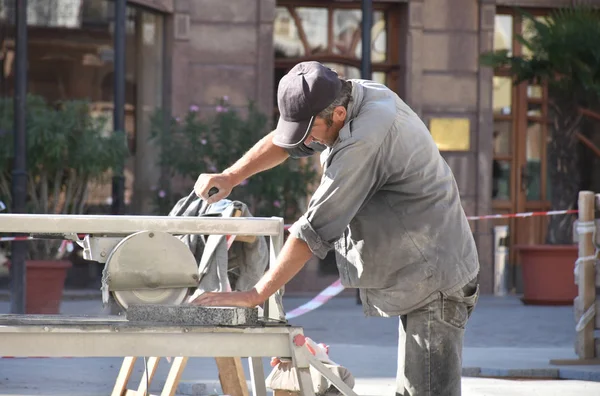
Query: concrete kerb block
(579,374)
(193,315)
(539,373)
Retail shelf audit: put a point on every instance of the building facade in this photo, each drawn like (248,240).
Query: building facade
(191,52)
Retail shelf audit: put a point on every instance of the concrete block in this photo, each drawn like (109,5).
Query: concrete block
(451,15)
(457,51)
(450,91)
(212,82)
(223,43)
(231,11)
(192,315)
(519,373)
(267,10)
(580,374)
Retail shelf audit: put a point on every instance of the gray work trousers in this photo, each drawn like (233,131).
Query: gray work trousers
(430,345)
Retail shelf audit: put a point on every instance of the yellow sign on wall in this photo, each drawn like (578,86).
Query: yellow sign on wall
(451,134)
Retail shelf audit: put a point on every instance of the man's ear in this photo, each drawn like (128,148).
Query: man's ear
(339,114)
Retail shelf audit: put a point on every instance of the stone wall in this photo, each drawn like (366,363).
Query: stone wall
(222,48)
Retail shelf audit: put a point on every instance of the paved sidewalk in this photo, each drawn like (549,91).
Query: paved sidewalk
(504,339)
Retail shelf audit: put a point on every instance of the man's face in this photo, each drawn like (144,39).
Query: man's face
(327,134)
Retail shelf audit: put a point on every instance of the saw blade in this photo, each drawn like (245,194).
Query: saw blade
(126,298)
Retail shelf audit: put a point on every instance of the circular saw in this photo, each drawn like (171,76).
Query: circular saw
(150,267)
(153,267)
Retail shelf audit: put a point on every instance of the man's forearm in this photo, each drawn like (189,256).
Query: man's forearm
(293,256)
(262,156)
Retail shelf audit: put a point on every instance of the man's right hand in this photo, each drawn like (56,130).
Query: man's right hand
(222,181)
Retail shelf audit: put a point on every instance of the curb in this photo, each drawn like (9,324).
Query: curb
(536,373)
(209,388)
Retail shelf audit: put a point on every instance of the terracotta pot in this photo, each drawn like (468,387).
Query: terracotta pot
(45,283)
(548,277)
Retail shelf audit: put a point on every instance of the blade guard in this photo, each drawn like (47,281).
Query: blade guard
(149,260)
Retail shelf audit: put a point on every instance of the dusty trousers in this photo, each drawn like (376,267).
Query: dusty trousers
(430,344)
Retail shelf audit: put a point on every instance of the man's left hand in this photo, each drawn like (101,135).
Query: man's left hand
(245,299)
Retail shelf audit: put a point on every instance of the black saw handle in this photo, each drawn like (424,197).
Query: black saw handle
(190,198)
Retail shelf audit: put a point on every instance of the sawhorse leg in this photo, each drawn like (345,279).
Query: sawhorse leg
(170,387)
(257,376)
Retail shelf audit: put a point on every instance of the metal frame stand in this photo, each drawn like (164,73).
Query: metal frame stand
(75,336)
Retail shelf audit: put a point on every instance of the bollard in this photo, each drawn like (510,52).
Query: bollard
(500,260)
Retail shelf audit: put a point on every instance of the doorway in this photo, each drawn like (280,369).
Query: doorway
(520,135)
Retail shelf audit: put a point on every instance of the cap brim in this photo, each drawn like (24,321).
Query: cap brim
(290,134)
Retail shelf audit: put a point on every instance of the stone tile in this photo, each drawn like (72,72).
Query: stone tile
(192,315)
(230,11)
(223,44)
(451,15)
(450,52)
(212,82)
(449,91)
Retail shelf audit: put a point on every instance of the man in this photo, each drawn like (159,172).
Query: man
(389,205)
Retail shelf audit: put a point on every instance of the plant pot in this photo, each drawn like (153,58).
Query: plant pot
(548,277)
(45,281)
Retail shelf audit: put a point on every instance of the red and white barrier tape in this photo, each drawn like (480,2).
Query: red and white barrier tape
(524,214)
(17,238)
(331,291)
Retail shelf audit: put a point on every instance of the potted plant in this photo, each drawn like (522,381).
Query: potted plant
(192,144)
(564,55)
(67,149)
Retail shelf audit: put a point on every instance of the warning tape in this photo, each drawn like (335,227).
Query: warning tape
(331,291)
(524,214)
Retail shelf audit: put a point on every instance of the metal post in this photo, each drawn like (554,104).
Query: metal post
(19,174)
(118,188)
(367,21)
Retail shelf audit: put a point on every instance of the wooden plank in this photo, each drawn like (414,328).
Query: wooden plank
(231,375)
(243,238)
(123,377)
(174,376)
(587,275)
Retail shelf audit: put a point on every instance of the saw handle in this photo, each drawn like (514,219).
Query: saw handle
(190,198)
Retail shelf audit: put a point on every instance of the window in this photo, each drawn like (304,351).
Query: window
(71,56)
(331,33)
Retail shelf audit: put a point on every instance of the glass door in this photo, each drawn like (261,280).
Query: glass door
(519,166)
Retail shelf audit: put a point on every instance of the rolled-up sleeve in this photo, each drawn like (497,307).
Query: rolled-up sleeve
(349,180)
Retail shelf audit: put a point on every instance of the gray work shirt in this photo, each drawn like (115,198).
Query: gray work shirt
(389,205)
